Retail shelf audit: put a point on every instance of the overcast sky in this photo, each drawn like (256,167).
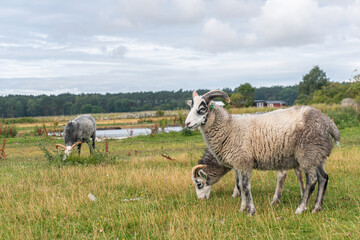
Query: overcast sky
(114,46)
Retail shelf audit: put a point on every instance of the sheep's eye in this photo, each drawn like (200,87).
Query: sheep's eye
(199,184)
(201,111)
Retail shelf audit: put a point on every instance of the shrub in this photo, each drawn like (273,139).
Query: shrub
(8,131)
(19,120)
(56,157)
(163,124)
(160,113)
(40,131)
(187,132)
(343,117)
(181,117)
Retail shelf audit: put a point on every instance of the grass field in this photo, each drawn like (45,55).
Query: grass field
(142,195)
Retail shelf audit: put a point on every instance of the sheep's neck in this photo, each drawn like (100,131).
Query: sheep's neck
(216,131)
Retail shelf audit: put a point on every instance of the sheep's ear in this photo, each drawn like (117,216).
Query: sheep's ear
(202,174)
(188,102)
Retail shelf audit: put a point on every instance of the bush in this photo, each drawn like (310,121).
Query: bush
(19,120)
(160,113)
(187,132)
(40,131)
(343,117)
(8,131)
(56,157)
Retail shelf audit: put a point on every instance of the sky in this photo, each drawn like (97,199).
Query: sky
(111,46)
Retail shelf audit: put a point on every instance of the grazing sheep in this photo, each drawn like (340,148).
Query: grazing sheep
(297,137)
(209,172)
(78,131)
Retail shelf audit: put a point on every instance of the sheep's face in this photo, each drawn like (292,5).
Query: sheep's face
(198,112)
(202,189)
(200,180)
(67,150)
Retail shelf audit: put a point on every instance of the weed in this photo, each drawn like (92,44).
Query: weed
(160,113)
(57,157)
(8,131)
(2,150)
(163,124)
(187,132)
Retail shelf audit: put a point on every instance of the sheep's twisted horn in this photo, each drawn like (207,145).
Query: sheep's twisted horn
(60,145)
(195,94)
(75,144)
(214,94)
(196,169)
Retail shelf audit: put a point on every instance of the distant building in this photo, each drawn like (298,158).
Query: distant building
(219,103)
(263,103)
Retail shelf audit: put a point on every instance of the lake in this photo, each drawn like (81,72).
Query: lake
(123,133)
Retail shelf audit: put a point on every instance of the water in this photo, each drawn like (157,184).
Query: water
(123,133)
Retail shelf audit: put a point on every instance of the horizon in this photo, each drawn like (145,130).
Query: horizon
(184,90)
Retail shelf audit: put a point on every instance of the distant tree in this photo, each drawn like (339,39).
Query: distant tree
(311,82)
(228,91)
(287,94)
(87,108)
(97,109)
(243,96)
(334,92)
(356,78)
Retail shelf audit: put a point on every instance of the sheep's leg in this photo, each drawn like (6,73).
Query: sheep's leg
(79,148)
(298,173)
(246,190)
(241,190)
(93,141)
(236,191)
(281,176)
(311,179)
(323,179)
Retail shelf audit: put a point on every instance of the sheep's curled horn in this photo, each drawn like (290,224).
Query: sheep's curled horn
(198,169)
(215,94)
(62,146)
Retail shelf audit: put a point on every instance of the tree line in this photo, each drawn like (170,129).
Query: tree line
(315,87)
(13,106)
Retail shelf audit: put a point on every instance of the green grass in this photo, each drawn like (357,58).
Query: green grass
(39,200)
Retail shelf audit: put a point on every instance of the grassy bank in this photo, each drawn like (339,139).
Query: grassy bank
(144,195)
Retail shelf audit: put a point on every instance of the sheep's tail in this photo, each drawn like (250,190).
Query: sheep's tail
(333,131)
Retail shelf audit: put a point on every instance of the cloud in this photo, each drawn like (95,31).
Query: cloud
(140,45)
(234,9)
(219,35)
(189,10)
(296,22)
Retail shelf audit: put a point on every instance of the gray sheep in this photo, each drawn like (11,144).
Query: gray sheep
(209,172)
(78,131)
(297,137)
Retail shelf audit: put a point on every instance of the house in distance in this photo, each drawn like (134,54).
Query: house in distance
(264,103)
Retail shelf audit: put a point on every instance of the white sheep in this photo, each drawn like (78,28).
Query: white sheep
(209,171)
(297,137)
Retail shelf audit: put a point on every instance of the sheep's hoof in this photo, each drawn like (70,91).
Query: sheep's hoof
(275,202)
(251,212)
(316,209)
(234,195)
(299,210)
(242,208)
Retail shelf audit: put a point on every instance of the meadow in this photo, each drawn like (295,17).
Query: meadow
(140,194)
